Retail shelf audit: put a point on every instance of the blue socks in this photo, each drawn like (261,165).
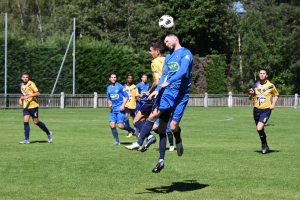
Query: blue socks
(162,145)
(145,131)
(43,127)
(126,123)
(139,125)
(170,138)
(262,136)
(115,134)
(26,130)
(128,128)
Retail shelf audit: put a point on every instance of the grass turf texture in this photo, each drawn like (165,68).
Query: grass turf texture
(222,158)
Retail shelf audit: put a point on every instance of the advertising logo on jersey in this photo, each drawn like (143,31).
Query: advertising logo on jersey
(144,92)
(173,66)
(114,96)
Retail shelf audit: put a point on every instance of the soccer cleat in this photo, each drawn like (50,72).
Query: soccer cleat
(133,146)
(24,142)
(171,148)
(50,137)
(160,165)
(150,141)
(116,143)
(265,149)
(129,135)
(179,149)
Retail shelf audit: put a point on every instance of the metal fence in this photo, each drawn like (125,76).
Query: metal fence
(99,100)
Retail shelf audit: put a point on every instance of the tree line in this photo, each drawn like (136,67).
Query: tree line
(229,46)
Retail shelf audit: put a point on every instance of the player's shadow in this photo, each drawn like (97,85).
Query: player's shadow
(125,143)
(185,186)
(271,151)
(38,141)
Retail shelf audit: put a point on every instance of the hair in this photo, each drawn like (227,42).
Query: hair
(130,75)
(158,46)
(113,74)
(25,73)
(263,69)
(173,35)
(144,75)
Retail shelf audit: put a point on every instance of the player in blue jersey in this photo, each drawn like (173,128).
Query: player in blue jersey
(117,97)
(143,88)
(172,96)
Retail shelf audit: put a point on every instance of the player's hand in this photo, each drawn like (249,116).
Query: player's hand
(251,91)
(122,108)
(20,102)
(141,95)
(153,95)
(272,107)
(147,93)
(165,84)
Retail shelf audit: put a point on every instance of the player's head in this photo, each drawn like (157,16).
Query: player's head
(144,78)
(156,49)
(25,77)
(129,79)
(113,78)
(263,74)
(172,41)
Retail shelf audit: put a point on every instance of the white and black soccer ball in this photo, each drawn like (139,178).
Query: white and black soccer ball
(166,22)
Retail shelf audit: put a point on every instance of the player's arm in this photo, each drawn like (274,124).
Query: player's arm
(152,88)
(125,99)
(35,94)
(109,102)
(276,96)
(163,77)
(184,67)
(251,94)
(21,100)
(137,96)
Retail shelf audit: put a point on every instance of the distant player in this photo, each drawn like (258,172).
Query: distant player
(262,93)
(117,97)
(172,95)
(130,106)
(143,88)
(30,105)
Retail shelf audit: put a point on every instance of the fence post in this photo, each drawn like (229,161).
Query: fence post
(62,100)
(205,99)
(229,99)
(296,101)
(95,99)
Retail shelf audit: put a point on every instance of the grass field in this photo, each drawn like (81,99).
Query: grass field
(222,158)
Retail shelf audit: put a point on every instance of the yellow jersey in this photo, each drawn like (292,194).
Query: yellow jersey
(132,92)
(263,94)
(157,67)
(26,89)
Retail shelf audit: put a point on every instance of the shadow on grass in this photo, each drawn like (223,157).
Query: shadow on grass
(125,143)
(271,151)
(185,186)
(38,141)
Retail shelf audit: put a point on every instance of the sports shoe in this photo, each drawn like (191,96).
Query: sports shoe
(171,148)
(159,166)
(133,146)
(265,149)
(24,142)
(179,149)
(116,143)
(150,141)
(50,137)
(129,135)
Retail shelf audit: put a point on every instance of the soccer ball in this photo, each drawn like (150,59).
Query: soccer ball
(166,22)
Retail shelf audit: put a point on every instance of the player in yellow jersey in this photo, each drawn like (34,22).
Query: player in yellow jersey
(130,107)
(262,93)
(30,105)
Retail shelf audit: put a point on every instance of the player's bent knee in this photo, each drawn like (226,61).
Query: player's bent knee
(120,126)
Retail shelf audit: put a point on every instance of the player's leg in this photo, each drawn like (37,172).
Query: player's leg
(113,117)
(164,118)
(261,117)
(126,122)
(178,111)
(26,117)
(41,125)
(121,124)
(170,136)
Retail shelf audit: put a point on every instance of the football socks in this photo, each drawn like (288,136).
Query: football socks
(115,134)
(162,145)
(177,135)
(145,131)
(262,136)
(26,130)
(43,127)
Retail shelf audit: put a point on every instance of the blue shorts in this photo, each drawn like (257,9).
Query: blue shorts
(174,100)
(261,115)
(168,126)
(33,112)
(131,112)
(117,117)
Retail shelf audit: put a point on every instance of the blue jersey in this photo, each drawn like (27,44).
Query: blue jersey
(178,70)
(142,89)
(116,95)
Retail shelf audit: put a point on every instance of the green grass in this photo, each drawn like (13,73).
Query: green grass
(222,158)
